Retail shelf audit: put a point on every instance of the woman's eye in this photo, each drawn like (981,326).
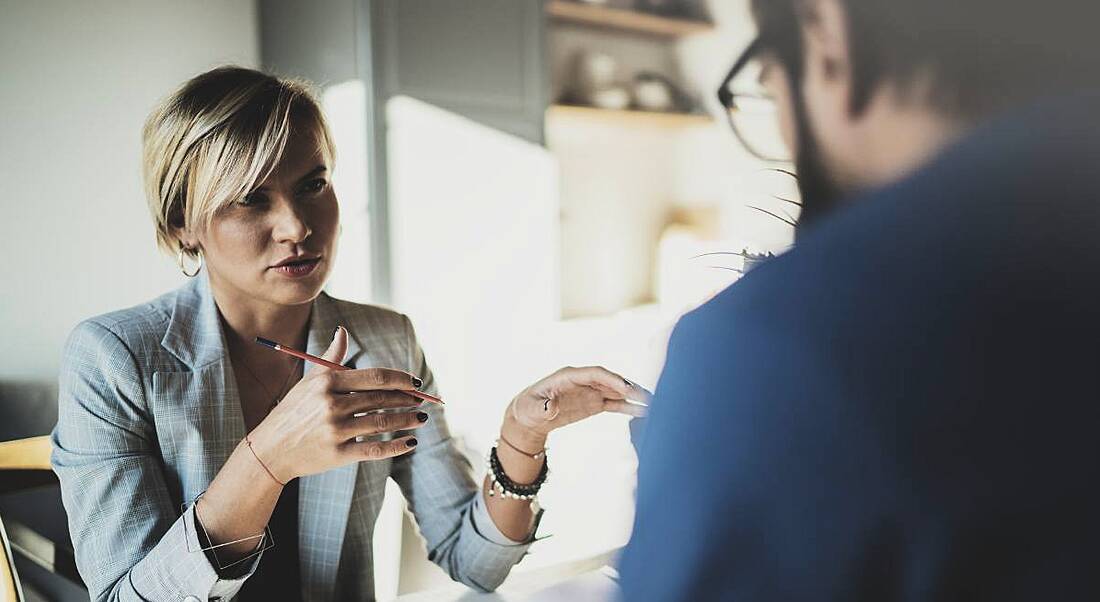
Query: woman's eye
(252,198)
(315,186)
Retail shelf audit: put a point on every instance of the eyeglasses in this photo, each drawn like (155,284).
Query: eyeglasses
(752,113)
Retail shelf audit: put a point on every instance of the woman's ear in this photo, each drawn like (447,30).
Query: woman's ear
(186,239)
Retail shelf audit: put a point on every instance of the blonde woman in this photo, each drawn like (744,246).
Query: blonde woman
(198,465)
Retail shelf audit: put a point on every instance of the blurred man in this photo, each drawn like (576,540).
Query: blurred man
(904,406)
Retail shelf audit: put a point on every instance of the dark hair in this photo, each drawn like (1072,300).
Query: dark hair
(982,55)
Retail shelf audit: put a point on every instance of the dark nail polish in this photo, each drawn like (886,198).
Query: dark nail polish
(422,416)
(417,382)
(410,443)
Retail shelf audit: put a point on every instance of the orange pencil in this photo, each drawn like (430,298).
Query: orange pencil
(323,362)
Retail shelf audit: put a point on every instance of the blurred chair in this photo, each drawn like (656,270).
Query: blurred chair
(36,536)
(9,578)
(25,463)
(22,462)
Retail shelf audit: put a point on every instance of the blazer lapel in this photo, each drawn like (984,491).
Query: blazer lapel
(208,392)
(206,422)
(325,498)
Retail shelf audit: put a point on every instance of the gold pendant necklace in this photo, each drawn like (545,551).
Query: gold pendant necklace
(275,399)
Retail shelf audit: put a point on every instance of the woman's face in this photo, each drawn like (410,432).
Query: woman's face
(292,215)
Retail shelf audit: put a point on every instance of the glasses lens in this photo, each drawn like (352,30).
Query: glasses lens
(754,115)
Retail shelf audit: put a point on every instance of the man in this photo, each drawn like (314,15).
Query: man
(904,406)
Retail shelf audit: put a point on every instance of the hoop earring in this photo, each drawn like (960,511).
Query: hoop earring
(179,261)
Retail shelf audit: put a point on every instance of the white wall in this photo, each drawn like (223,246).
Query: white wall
(78,80)
(475,267)
(473,225)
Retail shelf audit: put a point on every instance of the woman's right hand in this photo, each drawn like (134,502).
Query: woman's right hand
(314,428)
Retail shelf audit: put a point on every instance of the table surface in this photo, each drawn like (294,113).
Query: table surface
(591,579)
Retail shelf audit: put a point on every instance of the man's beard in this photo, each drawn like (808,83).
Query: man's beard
(819,194)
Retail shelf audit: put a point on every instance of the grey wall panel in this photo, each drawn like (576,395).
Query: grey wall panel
(484,59)
(317,40)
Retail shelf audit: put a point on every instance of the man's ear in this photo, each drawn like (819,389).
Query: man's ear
(825,32)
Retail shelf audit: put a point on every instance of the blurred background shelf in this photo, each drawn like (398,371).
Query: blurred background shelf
(624,20)
(628,117)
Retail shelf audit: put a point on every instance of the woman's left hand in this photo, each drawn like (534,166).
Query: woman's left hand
(571,395)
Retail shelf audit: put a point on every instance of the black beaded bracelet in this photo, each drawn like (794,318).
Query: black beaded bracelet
(505,480)
(506,487)
(498,471)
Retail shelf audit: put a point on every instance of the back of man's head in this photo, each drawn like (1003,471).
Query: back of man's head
(982,55)
(876,88)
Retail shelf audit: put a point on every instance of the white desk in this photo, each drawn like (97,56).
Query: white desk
(591,580)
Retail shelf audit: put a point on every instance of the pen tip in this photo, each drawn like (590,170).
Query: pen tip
(267,342)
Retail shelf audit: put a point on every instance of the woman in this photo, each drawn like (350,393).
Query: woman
(196,464)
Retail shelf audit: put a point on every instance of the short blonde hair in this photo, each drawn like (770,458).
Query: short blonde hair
(216,139)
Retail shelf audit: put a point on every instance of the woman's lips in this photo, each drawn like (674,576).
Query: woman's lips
(298,269)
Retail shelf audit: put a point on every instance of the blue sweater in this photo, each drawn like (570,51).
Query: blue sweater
(904,407)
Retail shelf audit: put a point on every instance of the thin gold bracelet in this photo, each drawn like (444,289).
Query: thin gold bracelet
(537,456)
(266,469)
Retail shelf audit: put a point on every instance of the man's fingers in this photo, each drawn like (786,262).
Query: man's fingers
(372,379)
(379,450)
(382,422)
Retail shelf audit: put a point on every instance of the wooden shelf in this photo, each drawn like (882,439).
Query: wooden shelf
(625,20)
(629,117)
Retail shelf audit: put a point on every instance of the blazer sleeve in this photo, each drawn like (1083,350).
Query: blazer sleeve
(131,541)
(436,480)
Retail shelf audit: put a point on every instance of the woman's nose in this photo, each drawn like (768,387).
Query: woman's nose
(290,221)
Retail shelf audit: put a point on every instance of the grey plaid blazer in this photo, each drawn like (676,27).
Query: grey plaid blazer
(149,412)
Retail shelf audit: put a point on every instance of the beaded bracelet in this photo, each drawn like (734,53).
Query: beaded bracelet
(500,483)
